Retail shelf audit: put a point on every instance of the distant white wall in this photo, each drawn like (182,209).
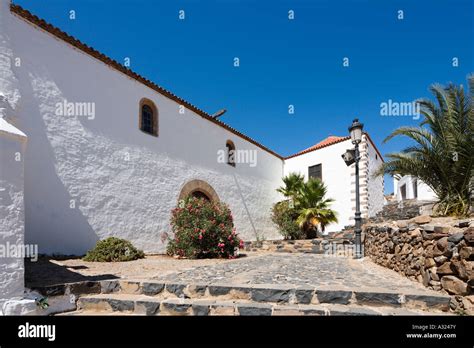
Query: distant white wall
(425,193)
(335,174)
(409,187)
(87,179)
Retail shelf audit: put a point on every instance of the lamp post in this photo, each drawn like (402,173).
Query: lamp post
(355,131)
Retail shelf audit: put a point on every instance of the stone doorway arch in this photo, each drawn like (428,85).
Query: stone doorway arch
(198,188)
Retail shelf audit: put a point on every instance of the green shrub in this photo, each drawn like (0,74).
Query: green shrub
(203,229)
(284,216)
(113,249)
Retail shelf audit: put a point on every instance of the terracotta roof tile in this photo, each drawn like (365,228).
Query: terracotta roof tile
(331,140)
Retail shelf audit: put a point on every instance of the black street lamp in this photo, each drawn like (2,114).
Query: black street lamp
(356,136)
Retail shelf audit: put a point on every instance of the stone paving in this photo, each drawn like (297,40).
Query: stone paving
(299,269)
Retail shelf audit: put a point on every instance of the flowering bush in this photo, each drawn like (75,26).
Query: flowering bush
(203,229)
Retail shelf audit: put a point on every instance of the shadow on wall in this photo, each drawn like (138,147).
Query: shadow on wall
(50,222)
(246,207)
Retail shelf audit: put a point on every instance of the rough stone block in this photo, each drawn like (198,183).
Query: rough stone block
(334,296)
(469,235)
(175,308)
(467,253)
(429,262)
(201,309)
(428,228)
(456,238)
(304,295)
(454,285)
(177,289)
(422,219)
(442,229)
(378,298)
(231,291)
(121,305)
(271,294)
(254,309)
(461,268)
(152,289)
(445,268)
(109,286)
(147,307)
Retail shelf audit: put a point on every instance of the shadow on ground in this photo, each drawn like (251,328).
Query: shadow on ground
(44,272)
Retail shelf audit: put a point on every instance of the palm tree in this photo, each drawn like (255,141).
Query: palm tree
(313,207)
(293,184)
(443,153)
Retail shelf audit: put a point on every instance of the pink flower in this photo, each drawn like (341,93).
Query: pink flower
(200,236)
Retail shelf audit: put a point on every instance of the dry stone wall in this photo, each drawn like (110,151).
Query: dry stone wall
(436,252)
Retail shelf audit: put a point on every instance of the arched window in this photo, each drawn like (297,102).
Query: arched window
(200,189)
(148,118)
(230,153)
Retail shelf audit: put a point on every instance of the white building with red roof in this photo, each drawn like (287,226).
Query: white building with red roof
(323,160)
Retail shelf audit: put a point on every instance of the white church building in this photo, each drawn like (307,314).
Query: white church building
(89,149)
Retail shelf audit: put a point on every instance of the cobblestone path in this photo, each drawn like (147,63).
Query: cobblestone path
(299,269)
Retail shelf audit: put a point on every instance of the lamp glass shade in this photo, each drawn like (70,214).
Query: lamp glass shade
(356,131)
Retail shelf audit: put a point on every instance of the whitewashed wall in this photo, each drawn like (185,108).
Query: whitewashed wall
(336,176)
(79,185)
(12,146)
(375,184)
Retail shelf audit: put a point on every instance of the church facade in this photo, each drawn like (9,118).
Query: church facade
(90,149)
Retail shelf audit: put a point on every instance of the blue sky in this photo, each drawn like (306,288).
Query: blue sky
(282,61)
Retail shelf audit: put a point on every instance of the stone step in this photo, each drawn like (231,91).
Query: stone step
(281,294)
(126,304)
